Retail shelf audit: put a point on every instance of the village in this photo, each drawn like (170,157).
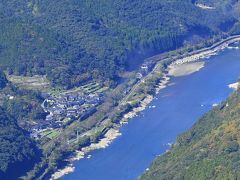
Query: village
(64,109)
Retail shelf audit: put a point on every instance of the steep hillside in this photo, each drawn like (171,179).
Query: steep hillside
(18,109)
(69,39)
(209,150)
(17,152)
(76,41)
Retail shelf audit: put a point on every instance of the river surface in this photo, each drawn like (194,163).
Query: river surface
(178,107)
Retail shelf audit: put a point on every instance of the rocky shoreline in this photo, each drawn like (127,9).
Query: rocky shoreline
(110,135)
(191,65)
(234,86)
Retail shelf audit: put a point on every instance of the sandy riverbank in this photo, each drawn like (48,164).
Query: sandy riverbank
(163,83)
(206,53)
(185,69)
(234,85)
(191,64)
(103,143)
(180,67)
(135,111)
(111,133)
(60,173)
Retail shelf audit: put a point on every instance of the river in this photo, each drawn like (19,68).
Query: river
(174,110)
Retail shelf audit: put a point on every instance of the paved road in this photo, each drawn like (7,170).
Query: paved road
(229,40)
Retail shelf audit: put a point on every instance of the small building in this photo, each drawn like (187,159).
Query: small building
(72,112)
(88,113)
(76,107)
(35,135)
(56,125)
(139,75)
(58,111)
(61,105)
(72,97)
(50,98)
(49,117)
(80,102)
(144,67)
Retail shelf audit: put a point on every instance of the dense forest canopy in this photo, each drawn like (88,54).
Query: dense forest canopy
(17,151)
(20,110)
(78,40)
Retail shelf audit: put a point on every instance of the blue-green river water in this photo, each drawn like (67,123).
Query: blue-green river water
(178,107)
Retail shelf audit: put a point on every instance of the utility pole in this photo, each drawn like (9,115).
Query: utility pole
(77,135)
(68,141)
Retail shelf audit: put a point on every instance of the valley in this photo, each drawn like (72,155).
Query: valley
(73,73)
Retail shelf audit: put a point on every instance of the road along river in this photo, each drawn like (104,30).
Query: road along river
(174,110)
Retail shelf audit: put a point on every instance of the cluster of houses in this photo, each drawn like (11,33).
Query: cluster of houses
(68,107)
(73,106)
(144,69)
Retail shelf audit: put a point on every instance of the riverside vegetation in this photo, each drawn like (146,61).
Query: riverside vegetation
(209,150)
(66,41)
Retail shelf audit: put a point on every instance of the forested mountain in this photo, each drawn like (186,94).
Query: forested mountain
(17,152)
(209,150)
(18,108)
(78,40)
